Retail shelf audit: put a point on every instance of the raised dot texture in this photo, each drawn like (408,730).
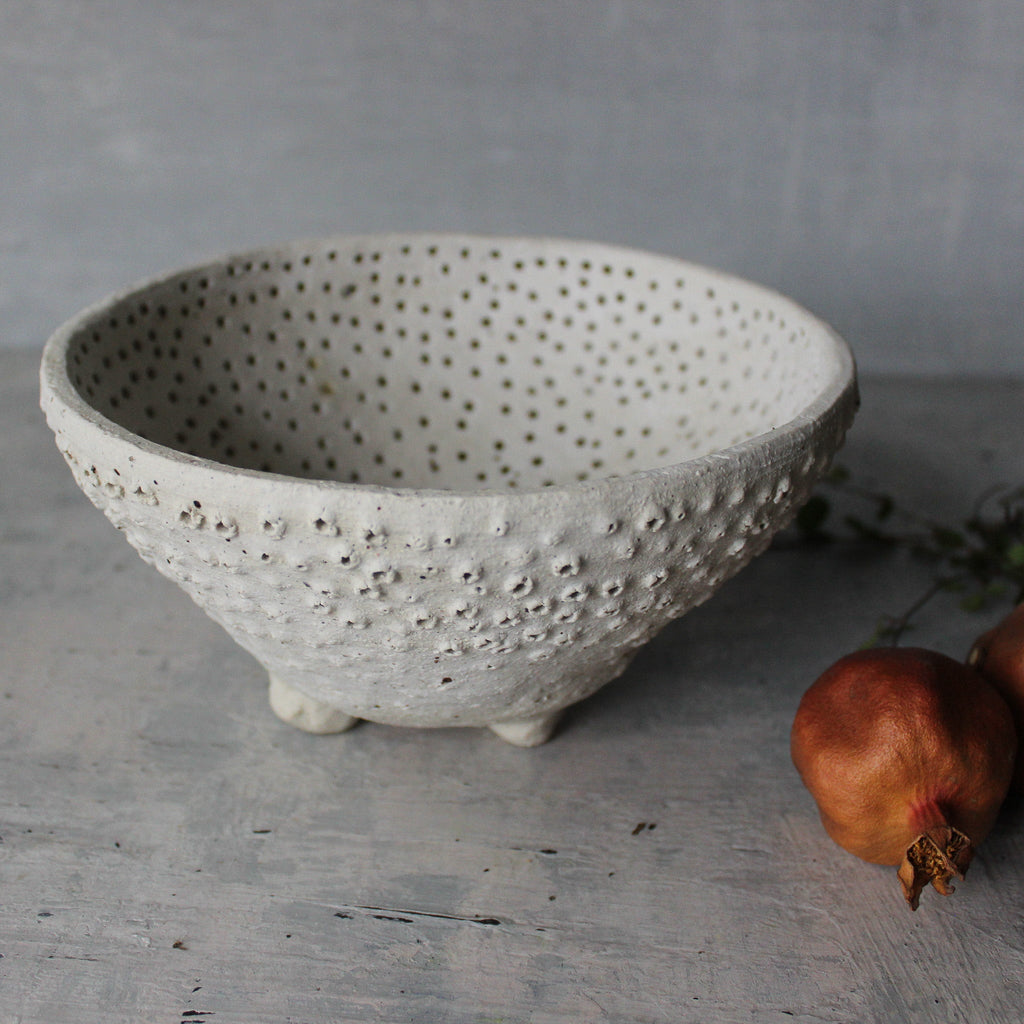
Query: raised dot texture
(447,481)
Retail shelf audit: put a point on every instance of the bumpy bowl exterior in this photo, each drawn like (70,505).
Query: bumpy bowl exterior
(429,607)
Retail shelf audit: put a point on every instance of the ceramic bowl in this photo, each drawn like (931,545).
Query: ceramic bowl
(438,480)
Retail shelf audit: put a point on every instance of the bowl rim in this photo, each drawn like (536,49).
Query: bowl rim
(57,390)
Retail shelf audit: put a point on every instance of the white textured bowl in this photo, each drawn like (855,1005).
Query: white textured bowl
(446,480)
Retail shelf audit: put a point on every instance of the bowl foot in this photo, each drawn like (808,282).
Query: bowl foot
(527,732)
(306,713)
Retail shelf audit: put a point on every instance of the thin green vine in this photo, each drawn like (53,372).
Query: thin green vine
(981,559)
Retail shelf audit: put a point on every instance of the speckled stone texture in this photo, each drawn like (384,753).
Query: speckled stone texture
(439,480)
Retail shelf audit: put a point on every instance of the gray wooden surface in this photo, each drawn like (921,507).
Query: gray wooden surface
(172,853)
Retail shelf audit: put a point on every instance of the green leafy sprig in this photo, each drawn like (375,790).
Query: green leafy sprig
(981,559)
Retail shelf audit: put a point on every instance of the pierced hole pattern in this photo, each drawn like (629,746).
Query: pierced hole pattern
(449,362)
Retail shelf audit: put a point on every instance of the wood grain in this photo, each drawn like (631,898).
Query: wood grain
(172,853)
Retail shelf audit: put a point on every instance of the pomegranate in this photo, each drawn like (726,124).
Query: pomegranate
(908,755)
(999,656)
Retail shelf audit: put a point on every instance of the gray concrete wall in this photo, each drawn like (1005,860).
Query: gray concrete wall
(865,157)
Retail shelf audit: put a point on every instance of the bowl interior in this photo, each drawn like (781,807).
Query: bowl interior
(452,363)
